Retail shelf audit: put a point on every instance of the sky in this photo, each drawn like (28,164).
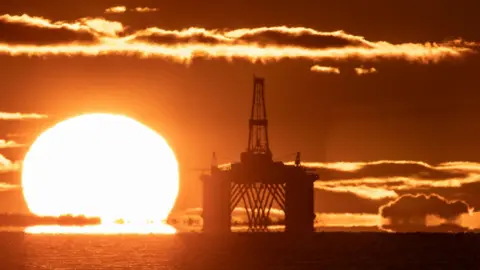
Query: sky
(346,81)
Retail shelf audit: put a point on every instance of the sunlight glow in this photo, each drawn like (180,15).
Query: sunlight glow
(104,229)
(102,165)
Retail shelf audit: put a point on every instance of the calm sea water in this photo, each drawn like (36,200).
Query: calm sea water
(241,251)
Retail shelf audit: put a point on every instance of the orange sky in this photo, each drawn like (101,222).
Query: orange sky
(366,93)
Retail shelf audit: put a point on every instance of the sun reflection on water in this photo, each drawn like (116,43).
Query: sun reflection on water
(152,228)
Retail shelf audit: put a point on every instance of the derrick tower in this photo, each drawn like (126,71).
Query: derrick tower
(257,183)
(258,124)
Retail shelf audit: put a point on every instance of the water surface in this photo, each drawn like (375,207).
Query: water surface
(240,251)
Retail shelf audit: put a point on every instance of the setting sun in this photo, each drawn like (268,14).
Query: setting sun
(101,165)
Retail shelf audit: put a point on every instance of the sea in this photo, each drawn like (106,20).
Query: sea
(242,251)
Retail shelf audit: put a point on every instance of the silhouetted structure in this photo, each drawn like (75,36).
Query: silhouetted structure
(257,182)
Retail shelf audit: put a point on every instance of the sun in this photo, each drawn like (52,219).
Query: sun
(101,165)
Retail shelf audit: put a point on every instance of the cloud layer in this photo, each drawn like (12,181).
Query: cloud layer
(123,9)
(9,144)
(7,187)
(351,221)
(98,36)
(116,9)
(415,208)
(145,9)
(6,168)
(7,165)
(21,116)
(324,69)
(386,179)
(363,71)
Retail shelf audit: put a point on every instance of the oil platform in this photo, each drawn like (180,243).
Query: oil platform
(257,183)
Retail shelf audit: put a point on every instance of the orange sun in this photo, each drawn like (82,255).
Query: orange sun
(101,165)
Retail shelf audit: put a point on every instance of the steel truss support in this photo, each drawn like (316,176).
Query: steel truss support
(258,199)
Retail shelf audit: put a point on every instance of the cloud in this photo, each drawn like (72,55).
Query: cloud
(470,220)
(255,44)
(7,165)
(123,9)
(21,116)
(362,191)
(34,31)
(79,32)
(327,201)
(347,220)
(414,209)
(16,135)
(145,9)
(363,71)
(334,70)
(323,69)
(441,228)
(7,187)
(9,144)
(388,168)
(116,9)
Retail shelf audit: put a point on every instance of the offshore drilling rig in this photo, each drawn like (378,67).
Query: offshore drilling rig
(257,182)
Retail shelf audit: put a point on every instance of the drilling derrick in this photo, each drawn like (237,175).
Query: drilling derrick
(251,185)
(258,124)
(257,183)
